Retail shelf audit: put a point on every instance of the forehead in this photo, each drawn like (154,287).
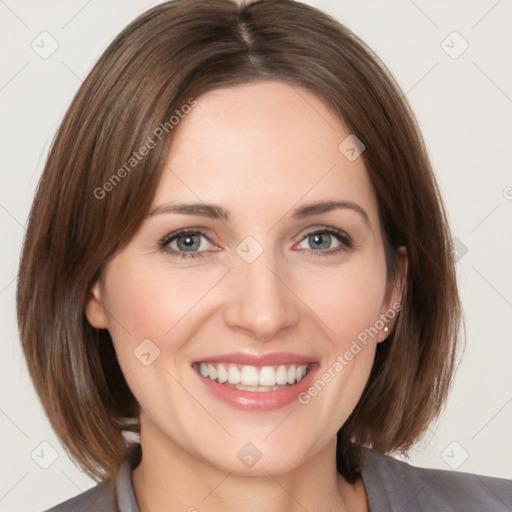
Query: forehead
(261,146)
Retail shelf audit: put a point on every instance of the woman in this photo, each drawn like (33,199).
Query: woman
(231,252)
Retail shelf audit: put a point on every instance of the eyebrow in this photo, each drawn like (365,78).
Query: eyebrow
(213,211)
(318,208)
(200,209)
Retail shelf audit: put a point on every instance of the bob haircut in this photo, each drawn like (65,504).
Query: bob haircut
(86,208)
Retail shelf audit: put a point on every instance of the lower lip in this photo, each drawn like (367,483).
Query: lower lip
(258,400)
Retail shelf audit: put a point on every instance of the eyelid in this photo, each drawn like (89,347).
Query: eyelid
(182,232)
(327,229)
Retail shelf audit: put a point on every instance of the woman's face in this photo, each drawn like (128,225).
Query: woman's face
(261,288)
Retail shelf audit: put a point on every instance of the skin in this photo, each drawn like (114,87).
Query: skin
(258,151)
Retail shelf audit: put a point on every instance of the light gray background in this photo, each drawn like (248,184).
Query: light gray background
(464,108)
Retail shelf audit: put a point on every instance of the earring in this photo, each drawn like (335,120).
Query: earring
(386,328)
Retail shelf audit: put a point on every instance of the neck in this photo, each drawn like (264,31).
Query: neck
(170,479)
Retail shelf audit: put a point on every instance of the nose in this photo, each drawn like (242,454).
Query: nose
(261,303)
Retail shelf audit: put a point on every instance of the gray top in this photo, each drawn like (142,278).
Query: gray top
(391,485)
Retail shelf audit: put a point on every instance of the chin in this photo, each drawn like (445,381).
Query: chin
(256,456)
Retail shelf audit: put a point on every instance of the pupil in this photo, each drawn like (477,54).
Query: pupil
(188,242)
(322,240)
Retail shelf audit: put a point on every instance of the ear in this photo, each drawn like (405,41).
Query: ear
(394,293)
(94,308)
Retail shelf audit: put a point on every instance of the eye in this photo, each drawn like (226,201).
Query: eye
(326,241)
(192,243)
(185,243)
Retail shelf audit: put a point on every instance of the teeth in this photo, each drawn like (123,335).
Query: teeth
(291,374)
(212,372)
(222,374)
(249,376)
(256,388)
(252,378)
(268,376)
(281,375)
(234,374)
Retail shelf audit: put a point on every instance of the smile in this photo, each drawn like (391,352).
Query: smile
(253,378)
(256,382)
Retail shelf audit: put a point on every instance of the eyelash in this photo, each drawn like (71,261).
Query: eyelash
(346,242)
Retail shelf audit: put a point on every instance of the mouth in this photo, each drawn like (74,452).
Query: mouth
(253,378)
(256,383)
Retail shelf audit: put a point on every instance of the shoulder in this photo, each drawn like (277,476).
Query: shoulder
(110,495)
(393,484)
(101,497)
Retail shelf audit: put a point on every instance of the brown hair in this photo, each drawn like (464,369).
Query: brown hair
(86,208)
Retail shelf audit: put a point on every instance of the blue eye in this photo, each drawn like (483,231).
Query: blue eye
(188,243)
(320,242)
(185,243)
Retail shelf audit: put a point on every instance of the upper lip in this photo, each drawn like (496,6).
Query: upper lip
(258,360)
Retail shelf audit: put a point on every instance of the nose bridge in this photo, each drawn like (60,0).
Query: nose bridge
(260,302)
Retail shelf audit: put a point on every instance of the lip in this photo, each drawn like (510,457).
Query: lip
(274,359)
(256,400)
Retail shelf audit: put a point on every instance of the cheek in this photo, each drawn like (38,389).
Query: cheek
(146,307)
(153,311)
(348,299)
(149,301)
(349,309)
(348,305)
